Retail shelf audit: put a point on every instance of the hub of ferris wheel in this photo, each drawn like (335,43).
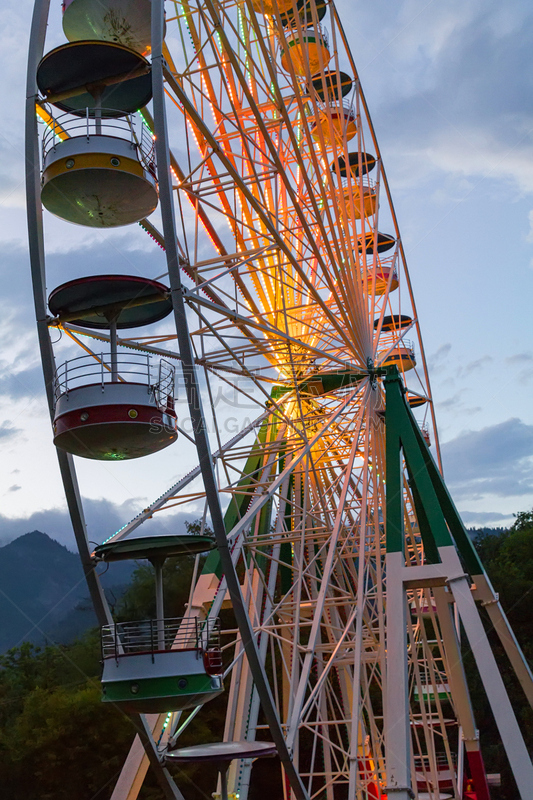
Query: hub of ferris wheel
(325,609)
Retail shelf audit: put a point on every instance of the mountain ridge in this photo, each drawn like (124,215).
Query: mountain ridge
(43,593)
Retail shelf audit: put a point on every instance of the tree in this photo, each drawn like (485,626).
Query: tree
(76,744)
(138,601)
(508,560)
(57,739)
(523,521)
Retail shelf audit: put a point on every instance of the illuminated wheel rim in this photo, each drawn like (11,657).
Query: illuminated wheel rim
(304,303)
(288,312)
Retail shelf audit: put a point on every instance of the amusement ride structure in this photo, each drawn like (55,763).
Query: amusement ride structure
(336,549)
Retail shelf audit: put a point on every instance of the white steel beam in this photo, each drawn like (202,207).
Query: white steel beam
(396,693)
(324,587)
(181,484)
(489,600)
(136,765)
(504,716)
(258,504)
(398,577)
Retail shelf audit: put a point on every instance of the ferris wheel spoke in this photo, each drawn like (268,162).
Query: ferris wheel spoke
(288,296)
(294,463)
(266,221)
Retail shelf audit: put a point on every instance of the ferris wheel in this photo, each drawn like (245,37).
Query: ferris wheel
(335,545)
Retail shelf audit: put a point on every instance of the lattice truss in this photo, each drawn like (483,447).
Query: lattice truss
(288,289)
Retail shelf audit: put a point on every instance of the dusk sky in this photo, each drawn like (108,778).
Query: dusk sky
(449,86)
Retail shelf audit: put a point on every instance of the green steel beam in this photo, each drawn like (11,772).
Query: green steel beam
(438,518)
(240,500)
(458,531)
(401,435)
(325,382)
(430,548)
(394,476)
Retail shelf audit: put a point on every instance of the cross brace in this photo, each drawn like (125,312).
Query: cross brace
(451,561)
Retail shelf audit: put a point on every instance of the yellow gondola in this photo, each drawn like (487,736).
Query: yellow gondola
(403,356)
(307,52)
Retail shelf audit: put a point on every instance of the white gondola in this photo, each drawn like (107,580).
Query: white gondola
(161,664)
(99,172)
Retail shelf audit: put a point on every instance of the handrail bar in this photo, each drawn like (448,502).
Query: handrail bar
(123,127)
(78,371)
(407,344)
(307,29)
(140,636)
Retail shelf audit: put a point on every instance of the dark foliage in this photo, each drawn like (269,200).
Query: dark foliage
(57,740)
(508,559)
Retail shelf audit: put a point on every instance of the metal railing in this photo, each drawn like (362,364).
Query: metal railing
(391,339)
(155,635)
(164,388)
(424,430)
(137,367)
(365,181)
(388,262)
(382,264)
(388,347)
(441,760)
(307,30)
(129,127)
(395,346)
(396,351)
(331,106)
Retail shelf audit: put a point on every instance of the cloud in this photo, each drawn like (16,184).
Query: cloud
(104,253)
(456,405)
(451,402)
(519,358)
(478,363)
(484,157)
(492,519)
(474,366)
(437,359)
(25,383)
(522,363)
(103,518)
(14,488)
(496,460)
(452,97)
(7,430)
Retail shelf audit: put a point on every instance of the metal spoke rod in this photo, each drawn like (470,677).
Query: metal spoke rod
(195,407)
